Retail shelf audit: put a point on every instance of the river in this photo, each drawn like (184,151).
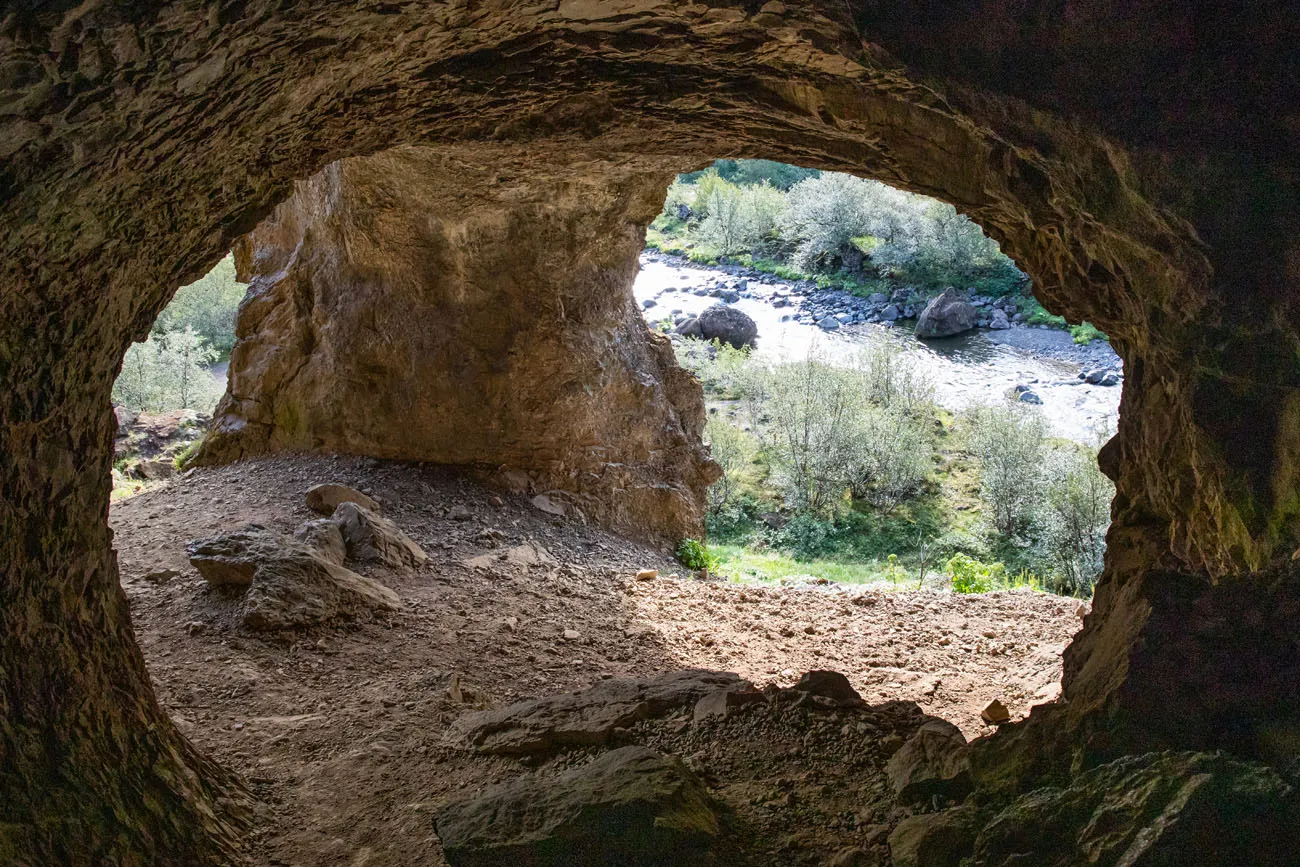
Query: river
(977,367)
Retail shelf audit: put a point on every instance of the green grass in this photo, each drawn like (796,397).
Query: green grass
(737,563)
(1036,314)
(1086,333)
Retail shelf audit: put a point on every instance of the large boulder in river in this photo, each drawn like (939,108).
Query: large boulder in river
(727,325)
(632,807)
(945,316)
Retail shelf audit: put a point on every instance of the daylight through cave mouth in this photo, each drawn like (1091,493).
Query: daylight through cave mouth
(1135,187)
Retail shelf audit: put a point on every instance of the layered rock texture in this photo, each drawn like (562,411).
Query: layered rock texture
(456,307)
(1137,160)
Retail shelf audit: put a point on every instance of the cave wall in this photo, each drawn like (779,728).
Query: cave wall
(471,308)
(1136,159)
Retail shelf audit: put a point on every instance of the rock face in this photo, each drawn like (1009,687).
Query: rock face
(1160,808)
(728,325)
(510,337)
(631,807)
(1127,159)
(946,315)
(589,717)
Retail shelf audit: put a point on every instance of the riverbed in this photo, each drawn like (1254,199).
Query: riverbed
(978,367)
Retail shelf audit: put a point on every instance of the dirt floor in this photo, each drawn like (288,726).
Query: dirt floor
(342,731)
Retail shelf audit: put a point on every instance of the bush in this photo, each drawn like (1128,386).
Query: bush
(166,372)
(892,380)
(1010,441)
(721,369)
(825,214)
(1086,333)
(972,576)
(950,248)
(890,457)
(806,536)
(1074,518)
(733,450)
(805,413)
(694,554)
(732,519)
(741,219)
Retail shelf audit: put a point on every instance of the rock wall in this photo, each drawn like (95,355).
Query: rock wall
(471,308)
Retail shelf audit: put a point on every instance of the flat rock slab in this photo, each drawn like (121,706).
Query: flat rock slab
(588,718)
(232,559)
(631,807)
(303,590)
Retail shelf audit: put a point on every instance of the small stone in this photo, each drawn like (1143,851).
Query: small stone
(460,513)
(512,623)
(549,505)
(496,502)
(572,635)
(161,576)
(995,713)
(647,575)
(196,627)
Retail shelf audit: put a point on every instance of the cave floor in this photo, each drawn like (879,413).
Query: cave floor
(341,731)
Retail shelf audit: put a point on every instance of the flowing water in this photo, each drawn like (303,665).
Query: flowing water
(972,368)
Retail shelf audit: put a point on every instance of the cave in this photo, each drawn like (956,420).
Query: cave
(1136,161)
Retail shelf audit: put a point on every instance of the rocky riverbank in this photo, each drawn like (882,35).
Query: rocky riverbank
(832,309)
(1074,385)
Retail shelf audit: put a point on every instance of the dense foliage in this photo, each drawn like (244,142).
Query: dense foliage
(170,370)
(208,306)
(167,371)
(850,469)
(826,223)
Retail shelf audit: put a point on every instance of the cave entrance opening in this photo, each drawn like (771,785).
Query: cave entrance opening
(170,382)
(887,399)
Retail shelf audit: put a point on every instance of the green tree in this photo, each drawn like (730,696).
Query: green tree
(733,450)
(166,372)
(741,219)
(890,457)
(1075,517)
(207,305)
(1010,440)
(805,412)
